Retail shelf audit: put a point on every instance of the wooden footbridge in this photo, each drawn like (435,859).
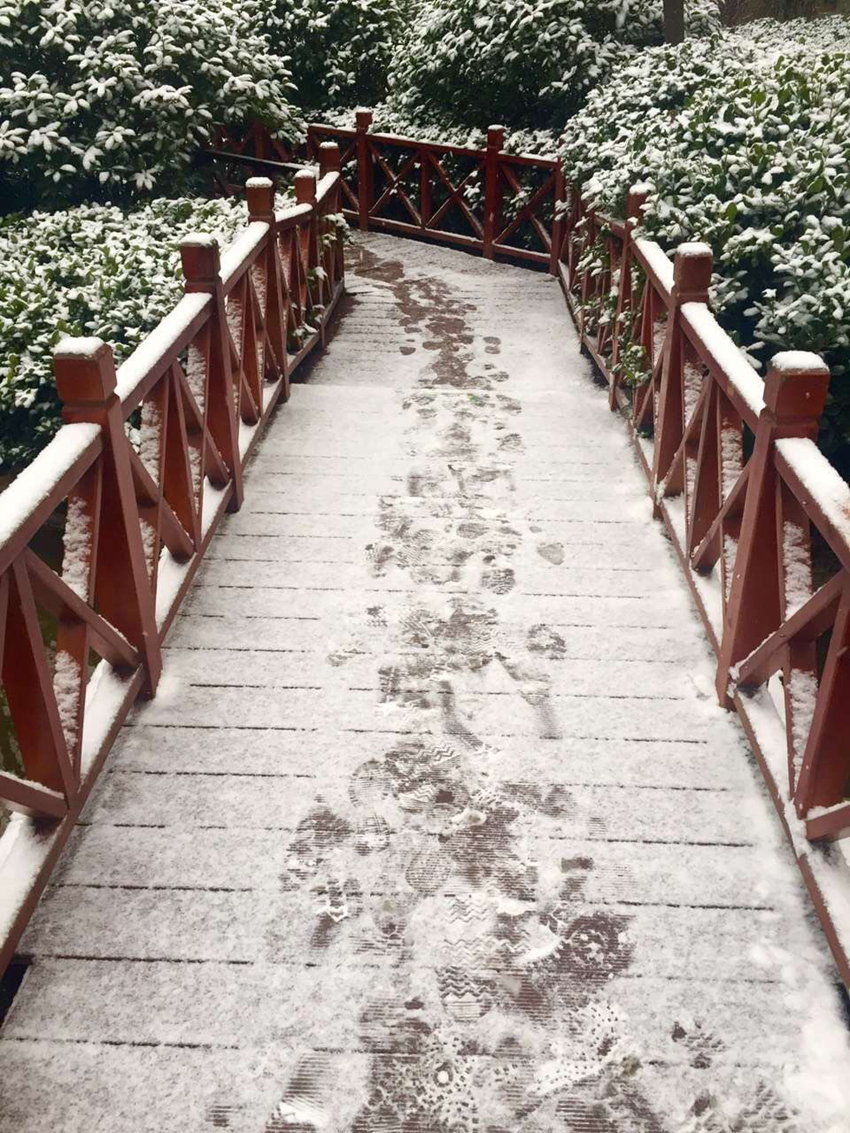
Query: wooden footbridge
(386,775)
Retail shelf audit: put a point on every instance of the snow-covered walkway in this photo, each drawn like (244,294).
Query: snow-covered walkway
(434,824)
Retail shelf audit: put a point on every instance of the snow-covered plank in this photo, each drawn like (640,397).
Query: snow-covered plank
(391,795)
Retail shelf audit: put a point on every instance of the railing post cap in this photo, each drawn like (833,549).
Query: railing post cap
(329,157)
(363,116)
(305,186)
(199,255)
(259,193)
(495,134)
(799,362)
(694,249)
(796,385)
(85,370)
(637,198)
(692,269)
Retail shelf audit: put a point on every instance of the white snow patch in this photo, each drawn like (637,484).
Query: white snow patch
(726,355)
(66,686)
(798,361)
(79,347)
(161,342)
(819,478)
(797,562)
(76,555)
(150,438)
(39,479)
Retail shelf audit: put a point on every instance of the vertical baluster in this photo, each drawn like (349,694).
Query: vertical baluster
(691,279)
(329,162)
(305,194)
(425,206)
(365,180)
(826,764)
(259,192)
(559,202)
(799,663)
(634,207)
(492,189)
(201,268)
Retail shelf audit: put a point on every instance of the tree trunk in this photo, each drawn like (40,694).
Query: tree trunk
(674,21)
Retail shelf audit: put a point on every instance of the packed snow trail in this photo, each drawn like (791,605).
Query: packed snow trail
(434,824)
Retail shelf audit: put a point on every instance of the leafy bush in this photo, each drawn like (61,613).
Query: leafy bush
(340,52)
(90,270)
(744,143)
(522,62)
(101,99)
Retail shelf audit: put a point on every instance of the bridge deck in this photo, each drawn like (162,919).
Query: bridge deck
(434,824)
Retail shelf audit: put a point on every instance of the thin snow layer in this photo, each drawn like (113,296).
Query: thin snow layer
(150,438)
(244,247)
(818,477)
(797,566)
(726,355)
(66,688)
(696,248)
(657,260)
(196,373)
(731,459)
(40,479)
(77,547)
(434,822)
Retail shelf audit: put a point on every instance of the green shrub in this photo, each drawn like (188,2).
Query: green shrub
(340,53)
(744,143)
(90,270)
(107,100)
(522,62)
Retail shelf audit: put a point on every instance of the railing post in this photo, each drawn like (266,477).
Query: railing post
(635,202)
(794,397)
(85,380)
(365,186)
(559,220)
(259,192)
(332,258)
(329,158)
(492,188)
(305,194)
(692,270)
(202,271)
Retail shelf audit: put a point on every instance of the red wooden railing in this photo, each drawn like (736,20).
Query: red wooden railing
(138,519)
(759,518)
(489,201)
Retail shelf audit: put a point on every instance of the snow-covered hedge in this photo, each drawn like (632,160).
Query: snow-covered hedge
(745,143)
(522,62)
(113,97)
(90,270)
(341,52)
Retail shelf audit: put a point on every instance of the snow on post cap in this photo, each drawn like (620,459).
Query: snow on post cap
(81,347)
(694,248)
(259,183)
(644,188)
(199,240)
(798,362)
